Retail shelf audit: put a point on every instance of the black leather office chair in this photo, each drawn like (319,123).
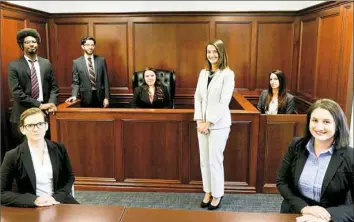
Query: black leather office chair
(166,77)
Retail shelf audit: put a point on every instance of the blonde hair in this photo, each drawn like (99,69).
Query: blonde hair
(30,112)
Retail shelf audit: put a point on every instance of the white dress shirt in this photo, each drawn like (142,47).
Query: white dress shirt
(38,72)
(43,171)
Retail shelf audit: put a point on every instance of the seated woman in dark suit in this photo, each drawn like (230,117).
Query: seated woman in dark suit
(40,167)
(276,100)
(316,173)
(151,94)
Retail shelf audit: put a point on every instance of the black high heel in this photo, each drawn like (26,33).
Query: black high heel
(211,207)
(204,205)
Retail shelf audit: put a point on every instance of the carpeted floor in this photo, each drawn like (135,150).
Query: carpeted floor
(189,201)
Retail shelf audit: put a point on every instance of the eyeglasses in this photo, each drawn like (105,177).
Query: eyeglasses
(87,45)
(30,41)
(39,125)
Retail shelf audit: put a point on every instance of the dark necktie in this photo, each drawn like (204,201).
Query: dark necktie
(91,73)
(34,81)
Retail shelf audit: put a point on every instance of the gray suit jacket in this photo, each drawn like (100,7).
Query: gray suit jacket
(81,81)
(212,103)
(19,80)
(289,109)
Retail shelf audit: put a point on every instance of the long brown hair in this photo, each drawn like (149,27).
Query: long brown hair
(158,88)
(282,99)
(223,58)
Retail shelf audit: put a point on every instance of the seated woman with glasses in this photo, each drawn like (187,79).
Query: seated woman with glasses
(152,94)
(40,167)
(275,99)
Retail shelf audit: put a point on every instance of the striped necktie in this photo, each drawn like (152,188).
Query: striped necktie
(34,81)
(91,73)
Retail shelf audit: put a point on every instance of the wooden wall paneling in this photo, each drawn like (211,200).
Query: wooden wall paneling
(67,47)
(328,56)
(158,159)
(275,50)
(42,28)
(278,131)
(292,85)
(112,43)
(345,74)
(192,38)
(307,58)
(237,37)
(90,150)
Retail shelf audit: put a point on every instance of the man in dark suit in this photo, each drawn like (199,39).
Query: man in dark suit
(31,81)
(90,77)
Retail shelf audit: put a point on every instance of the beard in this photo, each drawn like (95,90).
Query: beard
(88,52)
(32,51)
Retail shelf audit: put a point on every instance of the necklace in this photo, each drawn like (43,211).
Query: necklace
(211,74)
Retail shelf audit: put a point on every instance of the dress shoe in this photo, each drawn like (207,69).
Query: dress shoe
(204,205)
(211,207)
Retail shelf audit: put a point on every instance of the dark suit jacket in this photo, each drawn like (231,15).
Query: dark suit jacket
(19,80)
(81,80)
(17,165)
(337,182)
(141,99)
(289,109)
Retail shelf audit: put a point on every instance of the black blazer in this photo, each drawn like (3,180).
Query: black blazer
(141,99)
(290,104)
(17,165)
(19,80)
(81,80)
(337,182)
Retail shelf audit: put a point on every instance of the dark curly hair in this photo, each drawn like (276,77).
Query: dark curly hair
(158,87)
(23,33)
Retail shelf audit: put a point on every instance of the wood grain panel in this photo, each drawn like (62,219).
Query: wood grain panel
(328,57)
(236,154)
(151,150)
(42,28)
(90,144)
(9,51)
(155,46)
(173,46)
(112,43)
(306,74)
(191,41)
(237,38)
(67,48)
(275,48)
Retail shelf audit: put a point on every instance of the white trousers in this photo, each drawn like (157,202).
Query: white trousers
(211,151)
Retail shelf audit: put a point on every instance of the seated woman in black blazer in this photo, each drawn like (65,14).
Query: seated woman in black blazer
(316,173)
(40,167)
(275,99)
(151,94)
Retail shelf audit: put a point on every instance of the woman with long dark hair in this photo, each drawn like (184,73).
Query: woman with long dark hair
(276,100)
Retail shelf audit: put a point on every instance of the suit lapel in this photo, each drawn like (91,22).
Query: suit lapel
(300,163)
(334,163)
(53,159)
(41,68)
(25,66)
(213,80)
(27,162)
(96,67)
(84,67)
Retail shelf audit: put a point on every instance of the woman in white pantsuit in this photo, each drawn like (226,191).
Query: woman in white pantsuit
(211,111)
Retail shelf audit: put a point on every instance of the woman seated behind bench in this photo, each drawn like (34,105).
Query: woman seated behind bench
(152,94)
(276,100)
(40,167)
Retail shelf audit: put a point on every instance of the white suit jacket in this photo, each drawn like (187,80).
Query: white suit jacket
(212,103)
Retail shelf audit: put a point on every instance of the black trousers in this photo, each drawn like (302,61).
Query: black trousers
(95,102)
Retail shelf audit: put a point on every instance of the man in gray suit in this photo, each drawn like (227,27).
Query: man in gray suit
(90,77)
(31,81)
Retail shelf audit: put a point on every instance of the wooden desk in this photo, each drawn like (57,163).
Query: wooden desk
(63,213)
(164,215)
